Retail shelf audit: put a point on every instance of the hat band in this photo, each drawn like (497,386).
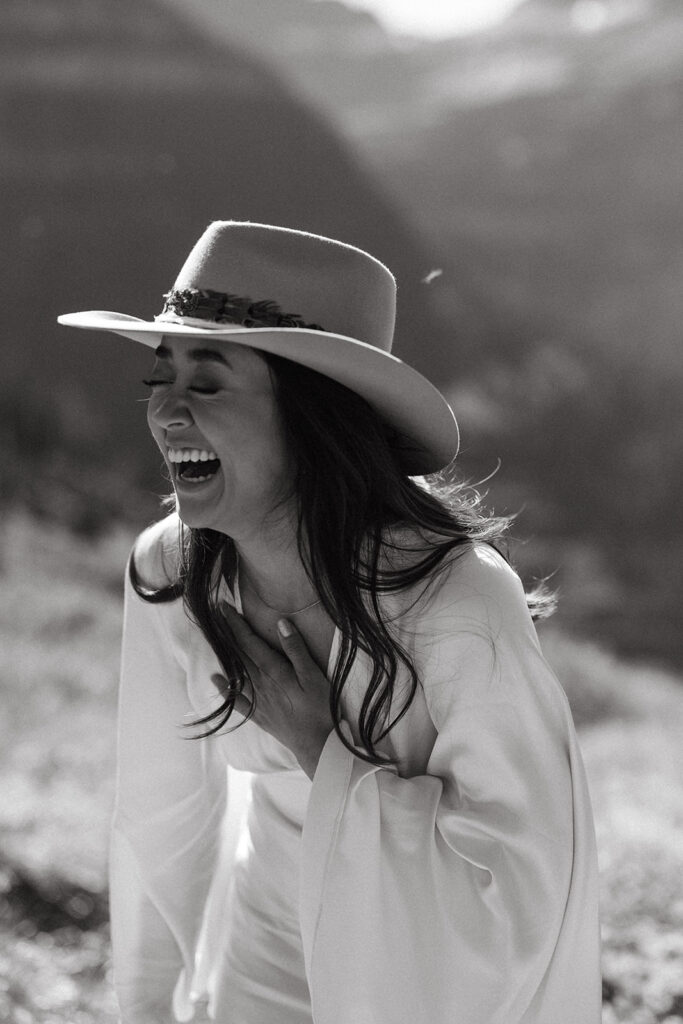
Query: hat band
(223,308)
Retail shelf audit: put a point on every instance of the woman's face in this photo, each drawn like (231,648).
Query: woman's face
(214,415)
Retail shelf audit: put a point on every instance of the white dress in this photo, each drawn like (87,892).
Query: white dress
(461,888)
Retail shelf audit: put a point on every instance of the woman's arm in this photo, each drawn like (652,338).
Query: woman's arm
(467,894)
(170,801)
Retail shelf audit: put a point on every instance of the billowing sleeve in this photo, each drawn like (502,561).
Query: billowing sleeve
(165,836)
(467,894)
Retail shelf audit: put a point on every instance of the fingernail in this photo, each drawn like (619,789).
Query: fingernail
(285,627)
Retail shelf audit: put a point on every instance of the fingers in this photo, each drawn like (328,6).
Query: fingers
(228,691)
(250,643)
(294,646)
(264,657)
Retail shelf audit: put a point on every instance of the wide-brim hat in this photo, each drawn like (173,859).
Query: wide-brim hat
(319,302)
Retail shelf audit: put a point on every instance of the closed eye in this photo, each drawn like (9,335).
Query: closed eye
(196,388)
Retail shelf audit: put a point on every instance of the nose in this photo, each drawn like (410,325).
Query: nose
(170,411)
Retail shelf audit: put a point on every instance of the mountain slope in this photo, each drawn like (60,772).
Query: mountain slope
(126,130)
(542,161)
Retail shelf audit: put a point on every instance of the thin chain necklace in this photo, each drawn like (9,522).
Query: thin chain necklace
(270,606)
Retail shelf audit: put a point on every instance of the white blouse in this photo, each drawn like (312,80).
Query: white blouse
(459,888)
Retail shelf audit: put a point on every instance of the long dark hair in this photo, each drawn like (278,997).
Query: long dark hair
(354,502)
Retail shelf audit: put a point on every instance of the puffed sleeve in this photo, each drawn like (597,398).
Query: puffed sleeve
(467,894)
(165,836)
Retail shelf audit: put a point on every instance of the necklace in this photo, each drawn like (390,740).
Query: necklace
(295,611)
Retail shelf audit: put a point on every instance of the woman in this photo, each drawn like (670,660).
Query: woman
(418,845)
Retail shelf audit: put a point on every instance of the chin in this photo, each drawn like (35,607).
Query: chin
(195,518)
(194,522)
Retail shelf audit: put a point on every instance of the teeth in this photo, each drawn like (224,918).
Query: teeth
(190,455)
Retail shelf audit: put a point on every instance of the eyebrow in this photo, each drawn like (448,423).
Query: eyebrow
(199,355)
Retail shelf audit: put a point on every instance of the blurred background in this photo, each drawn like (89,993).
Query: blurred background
(518,165)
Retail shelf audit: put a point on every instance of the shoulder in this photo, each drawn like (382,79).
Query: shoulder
(473,637)
(156,552)
(479,566)
(476,587)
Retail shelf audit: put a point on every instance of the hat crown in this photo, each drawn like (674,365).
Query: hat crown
(313,300)
(343,289)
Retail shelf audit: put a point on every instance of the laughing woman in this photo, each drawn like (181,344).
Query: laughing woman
(338,628)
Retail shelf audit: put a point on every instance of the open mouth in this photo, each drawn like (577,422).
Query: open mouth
(192,465)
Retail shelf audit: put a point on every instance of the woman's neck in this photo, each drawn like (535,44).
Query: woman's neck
(271,569)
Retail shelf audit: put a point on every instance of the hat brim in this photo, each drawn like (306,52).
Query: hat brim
(402,395)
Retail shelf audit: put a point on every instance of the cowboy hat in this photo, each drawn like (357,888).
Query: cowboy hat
(242,282)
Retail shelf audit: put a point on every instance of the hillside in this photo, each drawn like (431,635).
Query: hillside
(125,131)
(541,158)
(541,161)
(537,166)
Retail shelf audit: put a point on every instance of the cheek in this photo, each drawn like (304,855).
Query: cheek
(275,467)
(154,428)
(252,440)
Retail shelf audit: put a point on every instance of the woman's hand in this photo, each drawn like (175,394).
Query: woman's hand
(292,694)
